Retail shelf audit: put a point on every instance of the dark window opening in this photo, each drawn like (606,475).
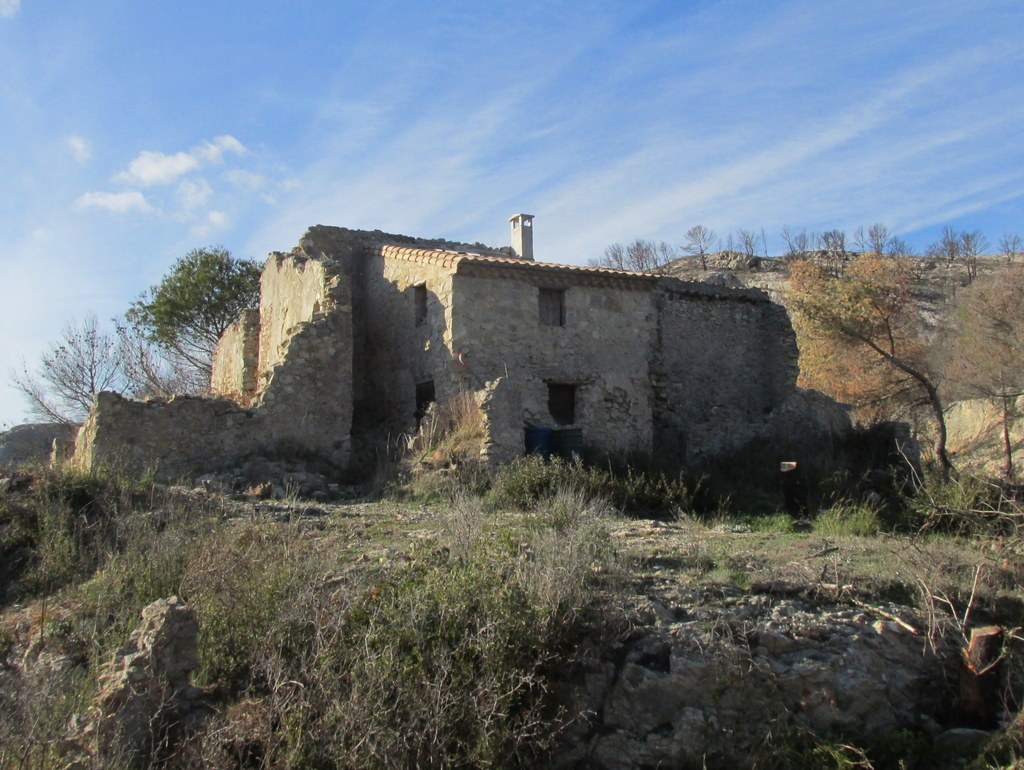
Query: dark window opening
(420,295)
(562,403)
(552,307)
(424,398)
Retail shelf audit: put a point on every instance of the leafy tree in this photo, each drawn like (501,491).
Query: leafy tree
(870,310)
(84,361)
(987,351)
(699,240)
(639,256)
(188,311)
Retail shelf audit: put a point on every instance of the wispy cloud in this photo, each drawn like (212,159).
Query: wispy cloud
(9,7)
(80,148)
(151,168)
(193,193)
(119,202)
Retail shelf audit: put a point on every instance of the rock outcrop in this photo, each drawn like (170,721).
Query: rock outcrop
(145,694)
(714,685)
(32,443)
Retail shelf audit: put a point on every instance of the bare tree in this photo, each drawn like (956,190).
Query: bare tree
(154,371)
(874,240)
(699,240)
(947,247)
(748,244)
(84,361)
(833,254)
(798,244)
(1011,246)
(972,245)
(897,247)
(637,256)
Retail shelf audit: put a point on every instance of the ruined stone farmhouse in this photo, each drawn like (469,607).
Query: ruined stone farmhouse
(358,332)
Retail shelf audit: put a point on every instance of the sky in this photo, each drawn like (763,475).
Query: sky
(133,132)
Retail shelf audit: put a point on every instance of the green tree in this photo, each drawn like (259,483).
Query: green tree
(188,311)
(870,309)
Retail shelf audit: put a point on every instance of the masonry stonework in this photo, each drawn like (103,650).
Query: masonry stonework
(358,331)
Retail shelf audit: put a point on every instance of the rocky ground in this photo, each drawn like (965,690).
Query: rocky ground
(737,638)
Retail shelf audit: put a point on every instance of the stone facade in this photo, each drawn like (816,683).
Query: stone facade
(357,332)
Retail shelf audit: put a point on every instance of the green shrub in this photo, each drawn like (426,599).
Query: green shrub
(521,484)
(965,505)
(239,583)
(848,519)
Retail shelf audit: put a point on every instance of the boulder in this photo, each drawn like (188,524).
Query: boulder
(145,693)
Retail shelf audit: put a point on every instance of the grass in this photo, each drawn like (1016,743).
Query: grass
(848,520)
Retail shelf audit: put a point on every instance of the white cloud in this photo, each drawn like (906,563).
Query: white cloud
(79,146)
(120,202)
(150,168)
(9,7)
(193,193)
(247,180)
(211,152)
(214,220)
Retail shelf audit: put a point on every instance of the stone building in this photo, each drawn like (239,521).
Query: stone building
(357,332)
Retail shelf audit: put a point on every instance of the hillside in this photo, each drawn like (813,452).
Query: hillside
(514,620)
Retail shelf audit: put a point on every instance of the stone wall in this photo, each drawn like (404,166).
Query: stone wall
(604,349)
(236,360)
(398,352)
(303,405)
(725,361)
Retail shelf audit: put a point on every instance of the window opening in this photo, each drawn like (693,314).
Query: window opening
(562,403)
(552,307)
(424,398)
(420,296)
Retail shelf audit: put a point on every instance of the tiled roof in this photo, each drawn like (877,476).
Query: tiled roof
(458,260)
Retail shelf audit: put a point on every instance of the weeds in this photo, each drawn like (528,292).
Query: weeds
(848,519)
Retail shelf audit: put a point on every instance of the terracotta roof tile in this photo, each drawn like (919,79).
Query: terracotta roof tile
(455,259)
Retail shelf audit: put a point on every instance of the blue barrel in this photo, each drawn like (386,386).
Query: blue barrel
(538,441)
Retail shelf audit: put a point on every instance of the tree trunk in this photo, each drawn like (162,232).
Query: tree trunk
(1007,446)
(945,466)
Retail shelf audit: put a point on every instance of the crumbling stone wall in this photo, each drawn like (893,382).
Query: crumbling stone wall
(303,400)
(236,359)
(603,348)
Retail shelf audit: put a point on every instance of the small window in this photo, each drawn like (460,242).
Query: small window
(552,307)
(420,295)
(562,403)
(424,398)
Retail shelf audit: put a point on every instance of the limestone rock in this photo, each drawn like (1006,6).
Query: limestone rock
(31,443)
(145,691)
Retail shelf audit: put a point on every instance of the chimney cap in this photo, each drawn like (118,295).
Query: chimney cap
(514,217)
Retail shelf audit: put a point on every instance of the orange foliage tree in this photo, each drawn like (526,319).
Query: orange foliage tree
(862,338)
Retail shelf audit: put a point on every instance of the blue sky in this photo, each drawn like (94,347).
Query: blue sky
(132,132)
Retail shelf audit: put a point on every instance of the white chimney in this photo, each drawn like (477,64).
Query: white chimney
(522,235)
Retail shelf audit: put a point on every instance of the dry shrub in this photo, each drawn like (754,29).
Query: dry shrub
(452,429)
(445,661)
